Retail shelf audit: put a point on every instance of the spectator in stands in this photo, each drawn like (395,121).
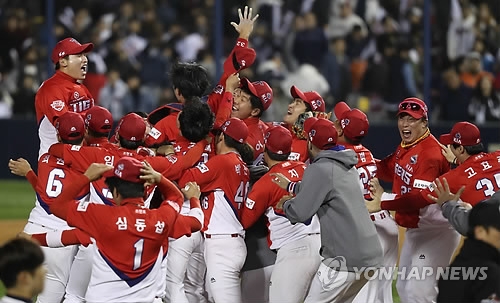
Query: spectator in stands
(335,67)
(138,98)
(113,94)
(455,97)
(485,103)
(310,44)
(472,70)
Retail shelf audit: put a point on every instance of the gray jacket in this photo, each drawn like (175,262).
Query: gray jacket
(330,188)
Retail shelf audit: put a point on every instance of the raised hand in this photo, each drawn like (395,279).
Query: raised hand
(19,167)
(191,190)
(448,154)
(443,194)
(245,27)
(232,82)
(150,175)
(95,171)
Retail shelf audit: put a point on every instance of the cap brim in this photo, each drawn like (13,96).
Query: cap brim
(85,48)
(246,83)
(446,139)
(109,173)
(340,109)
(297,93)
(308,124)
(412,113)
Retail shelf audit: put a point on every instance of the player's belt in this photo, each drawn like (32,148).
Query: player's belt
(379,216)
(209,236)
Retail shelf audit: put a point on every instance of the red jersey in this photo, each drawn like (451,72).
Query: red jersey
(224,182)
(256,130)
(299,150)
(166,129)
(366,167)
(415,167)
(264,197)
(129,240)
(54,175)
(182,146)
(480,174)
(57,95)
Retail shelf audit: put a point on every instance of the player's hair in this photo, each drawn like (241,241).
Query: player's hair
(76,141)
(196,120)
(275,156)
(132,145)
(16,256)
(190,78)
(353,141)
(245,151)
(58,66)
(308,107)
(254,101)
(140,114)
(95,134)
(472,149)
(126,189)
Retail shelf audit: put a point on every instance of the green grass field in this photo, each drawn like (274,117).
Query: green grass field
(17,198)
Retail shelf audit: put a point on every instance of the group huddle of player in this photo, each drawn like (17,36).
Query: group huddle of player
(158,207)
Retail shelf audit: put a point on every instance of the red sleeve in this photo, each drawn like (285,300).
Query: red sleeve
(32,179)
(256,203)
(385,168)
(50,101)
(68,237)
(170,191)
(188,160)
(414,200)
(61,205)
(80,157)
(223,110)
(203,174)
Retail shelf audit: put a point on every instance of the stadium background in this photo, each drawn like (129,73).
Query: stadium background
(370,53)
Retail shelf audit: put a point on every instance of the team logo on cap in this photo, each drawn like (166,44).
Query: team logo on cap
(226,124)
(312,133)
(119,169)
(316,104)
(268,134)
(345,122)
(266,97)
(458,138)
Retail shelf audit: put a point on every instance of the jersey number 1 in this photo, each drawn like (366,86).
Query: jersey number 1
(139,245)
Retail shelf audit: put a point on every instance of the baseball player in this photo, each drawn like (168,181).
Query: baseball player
(249,103)
(53,177)
(62,92)
(224,182)
(415,164)
(297,245)
(21,270)
(352,126)
(220,99)
(478,171)
(186,268)
(308,102)
(330,188)
(99,123)
(129,237)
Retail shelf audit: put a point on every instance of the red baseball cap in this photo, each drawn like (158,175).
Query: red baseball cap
(321,132)
(70,126)
(99,119)
(236,129)
(239,59)
(259,89)
(312,98)
(463,133)
(413,107)
(132,128)
(127,169)
(69,46)
(278,140)
(354,122)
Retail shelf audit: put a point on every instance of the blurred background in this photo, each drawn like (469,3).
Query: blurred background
(370,53)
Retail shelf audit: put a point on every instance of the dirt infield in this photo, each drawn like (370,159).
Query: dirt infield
(10,228)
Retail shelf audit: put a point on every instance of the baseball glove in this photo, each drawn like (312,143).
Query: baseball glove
(298,126)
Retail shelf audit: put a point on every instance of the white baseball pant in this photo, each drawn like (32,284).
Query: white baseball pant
(424,247)
(79,276)
(224,257)
(380,290)
(331,286)
(58,262)
(296,265)
(186,270)
(255,284)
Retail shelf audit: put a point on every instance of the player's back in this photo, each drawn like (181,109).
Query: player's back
(53,177)
(281,231)
(130,240)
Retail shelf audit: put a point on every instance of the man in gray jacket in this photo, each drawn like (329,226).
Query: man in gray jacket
(330,188)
